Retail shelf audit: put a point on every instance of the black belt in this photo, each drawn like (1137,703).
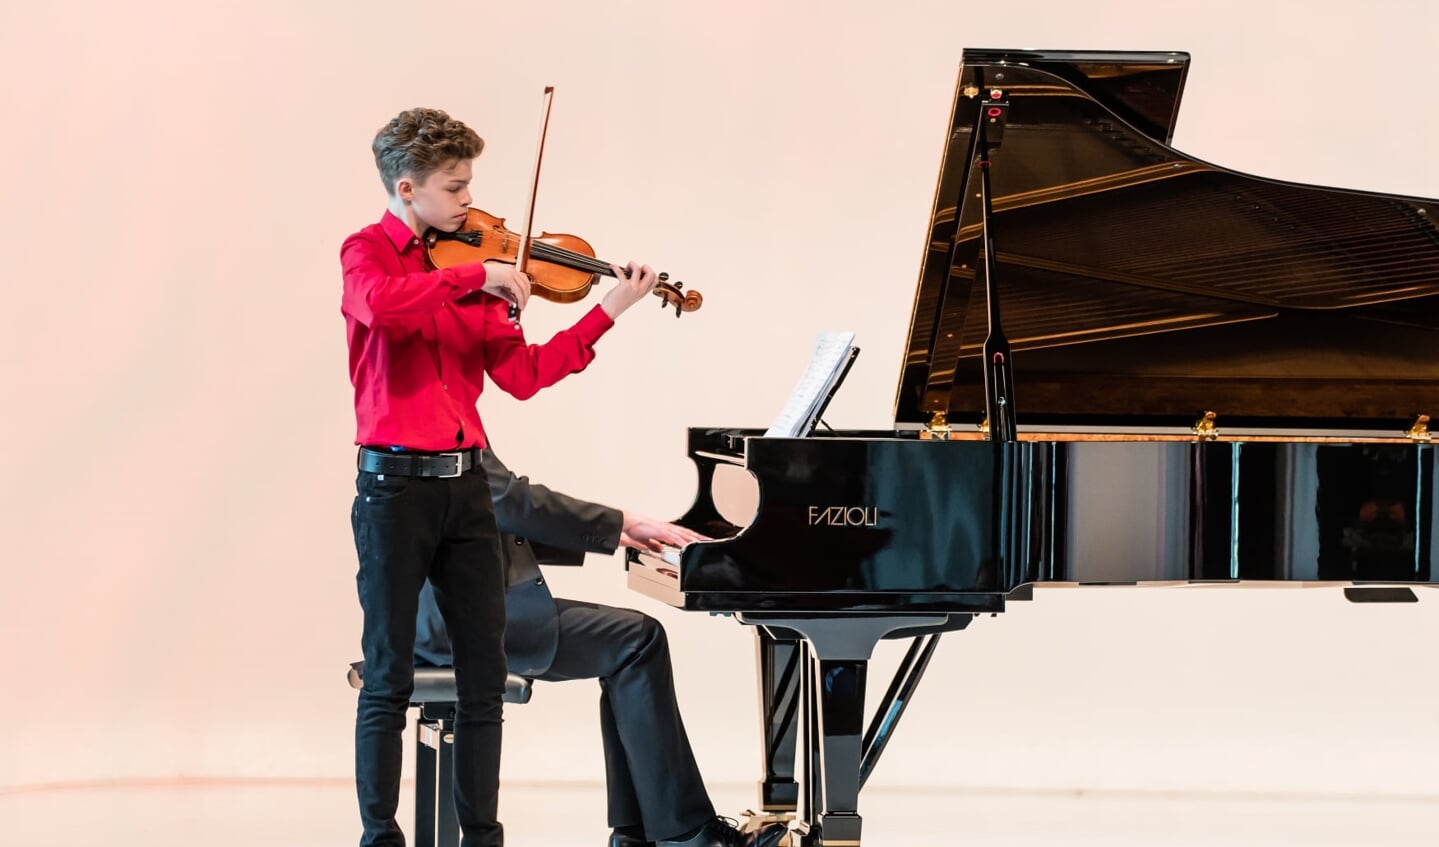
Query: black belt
(419,464)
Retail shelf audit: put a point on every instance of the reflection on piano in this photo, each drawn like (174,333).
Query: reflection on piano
(1217,378)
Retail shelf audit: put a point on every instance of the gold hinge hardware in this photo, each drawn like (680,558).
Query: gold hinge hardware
(1204,429)
(937,429)
(1420,430)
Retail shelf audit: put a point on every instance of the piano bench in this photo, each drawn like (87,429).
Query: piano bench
(435,822)
(437,685)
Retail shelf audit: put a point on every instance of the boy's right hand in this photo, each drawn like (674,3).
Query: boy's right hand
(505,281)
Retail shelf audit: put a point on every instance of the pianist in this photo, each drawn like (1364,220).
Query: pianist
(656,794)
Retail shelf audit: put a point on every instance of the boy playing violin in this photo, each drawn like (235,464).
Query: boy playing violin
(421,342)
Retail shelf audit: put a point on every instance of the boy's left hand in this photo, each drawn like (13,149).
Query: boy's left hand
(635,281)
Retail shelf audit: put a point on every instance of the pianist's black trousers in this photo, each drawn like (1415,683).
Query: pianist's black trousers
(650,769)
(408,529)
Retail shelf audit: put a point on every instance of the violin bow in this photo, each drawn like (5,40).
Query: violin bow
(522,259)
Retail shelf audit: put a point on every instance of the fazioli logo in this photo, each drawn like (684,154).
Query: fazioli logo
(844,516)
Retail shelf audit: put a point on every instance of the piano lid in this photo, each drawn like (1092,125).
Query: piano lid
(1141,287)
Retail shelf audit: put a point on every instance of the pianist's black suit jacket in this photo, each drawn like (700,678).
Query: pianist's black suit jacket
(537,526)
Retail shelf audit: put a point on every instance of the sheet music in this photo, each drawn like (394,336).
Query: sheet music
(826,362)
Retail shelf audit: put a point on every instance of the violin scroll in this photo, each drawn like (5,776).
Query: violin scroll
(673,294)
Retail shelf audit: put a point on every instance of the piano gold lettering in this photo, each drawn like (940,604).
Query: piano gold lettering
(844,516)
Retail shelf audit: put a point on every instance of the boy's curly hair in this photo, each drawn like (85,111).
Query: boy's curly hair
(418,142)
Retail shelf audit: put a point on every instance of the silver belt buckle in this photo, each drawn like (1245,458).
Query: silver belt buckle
(459,465)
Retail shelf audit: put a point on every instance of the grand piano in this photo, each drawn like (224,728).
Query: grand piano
(1125,366)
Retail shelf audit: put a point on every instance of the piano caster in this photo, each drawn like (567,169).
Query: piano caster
(802,836)
(754,821)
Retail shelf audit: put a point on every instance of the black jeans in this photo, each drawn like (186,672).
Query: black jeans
(408,529)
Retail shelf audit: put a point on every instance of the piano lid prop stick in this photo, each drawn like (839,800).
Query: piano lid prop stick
(998,371)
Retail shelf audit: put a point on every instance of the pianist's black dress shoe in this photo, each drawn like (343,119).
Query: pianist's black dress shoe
(625,839)
(721,832)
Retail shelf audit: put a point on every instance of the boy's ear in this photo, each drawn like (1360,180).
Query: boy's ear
(405,188)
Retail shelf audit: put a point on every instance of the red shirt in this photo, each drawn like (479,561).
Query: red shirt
(422,340)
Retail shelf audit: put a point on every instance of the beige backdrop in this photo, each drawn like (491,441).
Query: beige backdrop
(176,591)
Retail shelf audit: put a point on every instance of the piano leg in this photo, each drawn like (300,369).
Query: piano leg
(839,709)
(833,688)
(892,707)
(809,736)
(779,685)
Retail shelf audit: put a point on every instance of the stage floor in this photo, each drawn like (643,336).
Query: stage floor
(320,813)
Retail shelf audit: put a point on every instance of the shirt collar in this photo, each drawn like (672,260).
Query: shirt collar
(399,232)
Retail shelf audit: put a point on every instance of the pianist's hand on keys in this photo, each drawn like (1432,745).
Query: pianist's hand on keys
(645,533)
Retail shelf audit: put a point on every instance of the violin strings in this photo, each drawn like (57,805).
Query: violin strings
(541,250)
(549,252)
(569,255)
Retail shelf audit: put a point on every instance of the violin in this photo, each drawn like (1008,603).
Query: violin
(563,267)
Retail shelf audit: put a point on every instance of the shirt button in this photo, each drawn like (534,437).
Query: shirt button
(446,387)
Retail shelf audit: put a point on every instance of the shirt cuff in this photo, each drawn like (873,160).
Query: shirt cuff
(467,278)
(594,324)
(605,534)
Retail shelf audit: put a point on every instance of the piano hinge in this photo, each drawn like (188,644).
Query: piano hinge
(937,429)
(1204,429)
(1420,430)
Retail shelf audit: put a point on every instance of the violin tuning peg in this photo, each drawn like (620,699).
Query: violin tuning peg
(664,277)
